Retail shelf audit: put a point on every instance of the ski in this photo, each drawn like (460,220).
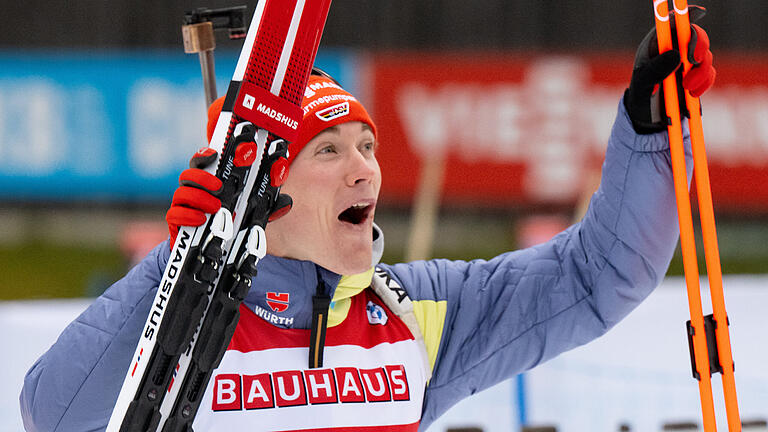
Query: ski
(708,337)
(195,309)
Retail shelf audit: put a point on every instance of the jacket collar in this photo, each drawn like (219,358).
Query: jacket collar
(282,290)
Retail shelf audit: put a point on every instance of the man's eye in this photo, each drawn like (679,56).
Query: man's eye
(327,149)
(369,147)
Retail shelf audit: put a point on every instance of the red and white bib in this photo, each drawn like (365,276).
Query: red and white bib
(372,379)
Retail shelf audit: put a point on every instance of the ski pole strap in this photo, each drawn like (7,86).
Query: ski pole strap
(320,303)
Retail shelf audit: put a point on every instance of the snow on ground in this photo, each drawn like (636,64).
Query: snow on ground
(638,373)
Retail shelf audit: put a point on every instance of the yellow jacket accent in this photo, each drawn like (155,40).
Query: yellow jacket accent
(430,315)
(349,286)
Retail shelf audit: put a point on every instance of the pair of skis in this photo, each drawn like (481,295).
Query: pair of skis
(709,340)
(195,311)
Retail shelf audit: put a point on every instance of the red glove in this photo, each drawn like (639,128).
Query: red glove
(702,75)
(196,194)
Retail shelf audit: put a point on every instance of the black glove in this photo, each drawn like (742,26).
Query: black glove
(644,98)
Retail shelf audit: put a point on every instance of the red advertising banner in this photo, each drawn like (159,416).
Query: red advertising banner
(517,128)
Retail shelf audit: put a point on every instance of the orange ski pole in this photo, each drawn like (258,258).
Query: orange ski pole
(685,219)
(708,231)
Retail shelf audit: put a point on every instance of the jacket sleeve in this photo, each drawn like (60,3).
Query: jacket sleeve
(75,384)
(506,315)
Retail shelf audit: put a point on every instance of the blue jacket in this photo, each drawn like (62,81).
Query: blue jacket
(483,321)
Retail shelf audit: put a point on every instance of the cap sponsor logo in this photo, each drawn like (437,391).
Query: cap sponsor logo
(324,84)
(310,387)
(333,112)
(311,89)
(322,100)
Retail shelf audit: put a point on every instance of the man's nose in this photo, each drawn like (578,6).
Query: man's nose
(360,169)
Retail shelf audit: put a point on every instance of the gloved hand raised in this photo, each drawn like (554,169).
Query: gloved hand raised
(644,99)
(196,194)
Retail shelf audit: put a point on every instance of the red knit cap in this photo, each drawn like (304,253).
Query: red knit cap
(325,104)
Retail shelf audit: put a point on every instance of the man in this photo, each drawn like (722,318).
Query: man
(472,324)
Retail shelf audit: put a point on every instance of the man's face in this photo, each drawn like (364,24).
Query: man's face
(334,182)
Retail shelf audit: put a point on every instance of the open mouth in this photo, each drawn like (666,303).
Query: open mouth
(356,214)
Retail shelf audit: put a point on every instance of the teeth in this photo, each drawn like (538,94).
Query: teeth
(359,205)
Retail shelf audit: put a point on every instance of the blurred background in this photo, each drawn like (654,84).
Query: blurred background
(493,119)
